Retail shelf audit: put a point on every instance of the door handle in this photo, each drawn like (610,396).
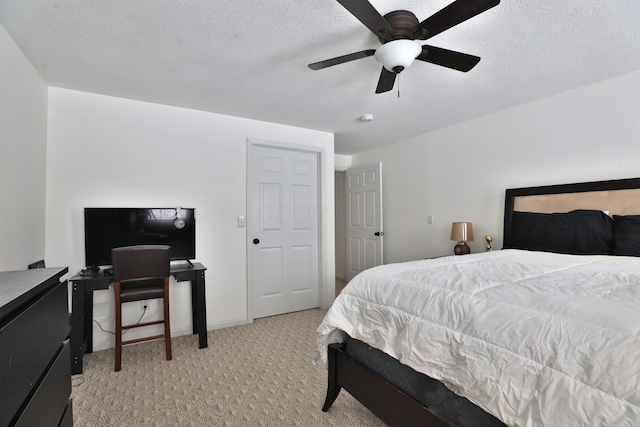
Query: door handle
(256,241)
(379,233)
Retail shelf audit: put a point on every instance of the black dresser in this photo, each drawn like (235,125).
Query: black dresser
(35,358)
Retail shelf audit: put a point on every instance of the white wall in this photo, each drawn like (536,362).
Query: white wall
(106,151)
(23,133)
(460,173)
(342,162)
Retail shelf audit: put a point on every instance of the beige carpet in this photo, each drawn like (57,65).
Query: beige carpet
(253,375)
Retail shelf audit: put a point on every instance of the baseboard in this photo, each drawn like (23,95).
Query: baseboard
(229,324)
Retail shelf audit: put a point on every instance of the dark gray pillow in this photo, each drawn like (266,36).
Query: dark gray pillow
(626,235)
(579,232)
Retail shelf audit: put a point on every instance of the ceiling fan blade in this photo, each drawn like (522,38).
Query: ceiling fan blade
(448,58)
(341,59)
(457,12)
(369,16)
(386,81)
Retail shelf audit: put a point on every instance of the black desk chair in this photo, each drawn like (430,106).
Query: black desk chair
(140,273)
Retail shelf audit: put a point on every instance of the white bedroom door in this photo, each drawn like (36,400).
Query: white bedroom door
(364,218)
(283,229)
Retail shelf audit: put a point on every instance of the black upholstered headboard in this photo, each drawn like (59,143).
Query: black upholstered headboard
(581,217)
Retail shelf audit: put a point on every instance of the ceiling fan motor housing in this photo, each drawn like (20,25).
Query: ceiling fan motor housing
(399,52)
(402,22)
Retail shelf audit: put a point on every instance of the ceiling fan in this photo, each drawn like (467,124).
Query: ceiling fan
(398,32)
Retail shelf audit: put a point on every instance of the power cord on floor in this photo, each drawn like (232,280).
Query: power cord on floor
(144,310)
(77,380)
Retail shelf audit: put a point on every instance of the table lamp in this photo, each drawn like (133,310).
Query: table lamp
(462,232)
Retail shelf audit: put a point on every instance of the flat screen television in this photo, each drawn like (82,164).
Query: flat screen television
(108,228)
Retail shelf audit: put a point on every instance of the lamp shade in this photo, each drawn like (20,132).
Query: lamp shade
(462,231)
(397,55)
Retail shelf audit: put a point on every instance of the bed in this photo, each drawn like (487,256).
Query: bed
(542,333)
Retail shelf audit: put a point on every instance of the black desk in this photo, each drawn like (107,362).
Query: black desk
(82,287)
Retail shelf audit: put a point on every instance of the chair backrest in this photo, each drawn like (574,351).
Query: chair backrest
(141,261)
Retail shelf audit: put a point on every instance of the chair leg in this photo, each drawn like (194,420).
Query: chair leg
(167,326)
(118,357)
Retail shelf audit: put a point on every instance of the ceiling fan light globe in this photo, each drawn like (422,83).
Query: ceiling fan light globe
(398,54)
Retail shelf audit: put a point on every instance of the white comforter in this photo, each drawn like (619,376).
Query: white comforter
(537,339)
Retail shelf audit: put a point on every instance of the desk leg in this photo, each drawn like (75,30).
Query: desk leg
(194,304)
(200,323)
(77,328)
(88,321)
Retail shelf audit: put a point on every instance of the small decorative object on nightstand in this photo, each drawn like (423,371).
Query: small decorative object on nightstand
(462,232)
(489,239)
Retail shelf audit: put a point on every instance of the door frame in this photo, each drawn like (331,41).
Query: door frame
(325,215)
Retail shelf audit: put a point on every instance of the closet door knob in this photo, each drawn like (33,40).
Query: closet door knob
(256,241)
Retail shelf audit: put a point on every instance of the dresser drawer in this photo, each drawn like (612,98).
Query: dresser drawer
(28,344)
(49,401)
(67,418)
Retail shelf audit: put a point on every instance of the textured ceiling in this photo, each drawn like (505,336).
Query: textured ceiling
(249,58)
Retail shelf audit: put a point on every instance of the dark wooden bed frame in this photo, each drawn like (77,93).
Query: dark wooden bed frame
(390,404)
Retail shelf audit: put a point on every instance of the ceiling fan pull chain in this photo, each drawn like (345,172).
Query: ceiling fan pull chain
(398,85)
